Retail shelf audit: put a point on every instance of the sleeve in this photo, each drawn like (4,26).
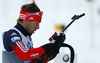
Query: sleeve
(13,41)
(26,54)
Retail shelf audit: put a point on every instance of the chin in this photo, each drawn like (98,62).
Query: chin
(32,33)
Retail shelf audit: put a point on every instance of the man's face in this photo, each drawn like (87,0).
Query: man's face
(32,26)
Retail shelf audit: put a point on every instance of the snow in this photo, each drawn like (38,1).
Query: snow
(83,34)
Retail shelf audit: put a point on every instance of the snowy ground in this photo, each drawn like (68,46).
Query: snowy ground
(83,35)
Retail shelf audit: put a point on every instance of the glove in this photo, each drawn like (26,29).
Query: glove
(59,39)
(41,59)
(51,56)
(44,58)
(51,48)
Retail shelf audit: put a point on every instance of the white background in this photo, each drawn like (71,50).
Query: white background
(83,34)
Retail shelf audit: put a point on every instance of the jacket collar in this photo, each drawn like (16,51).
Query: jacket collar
(21,29)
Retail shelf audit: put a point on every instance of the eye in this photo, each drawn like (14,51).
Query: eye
(37,23)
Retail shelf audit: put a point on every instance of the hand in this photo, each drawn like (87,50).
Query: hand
(51,48)
(45,58)
(51,56)
(59,39)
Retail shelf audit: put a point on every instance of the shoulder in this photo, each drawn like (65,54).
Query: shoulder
(9,37)
(12,35)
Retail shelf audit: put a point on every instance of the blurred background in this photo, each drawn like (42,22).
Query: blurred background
(83,35)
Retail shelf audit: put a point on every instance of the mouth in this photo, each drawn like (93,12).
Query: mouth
(34,31)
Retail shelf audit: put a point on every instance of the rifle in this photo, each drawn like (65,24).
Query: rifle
(75,17)
(42,59)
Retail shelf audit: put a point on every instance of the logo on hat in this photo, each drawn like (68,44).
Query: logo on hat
(31,18)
